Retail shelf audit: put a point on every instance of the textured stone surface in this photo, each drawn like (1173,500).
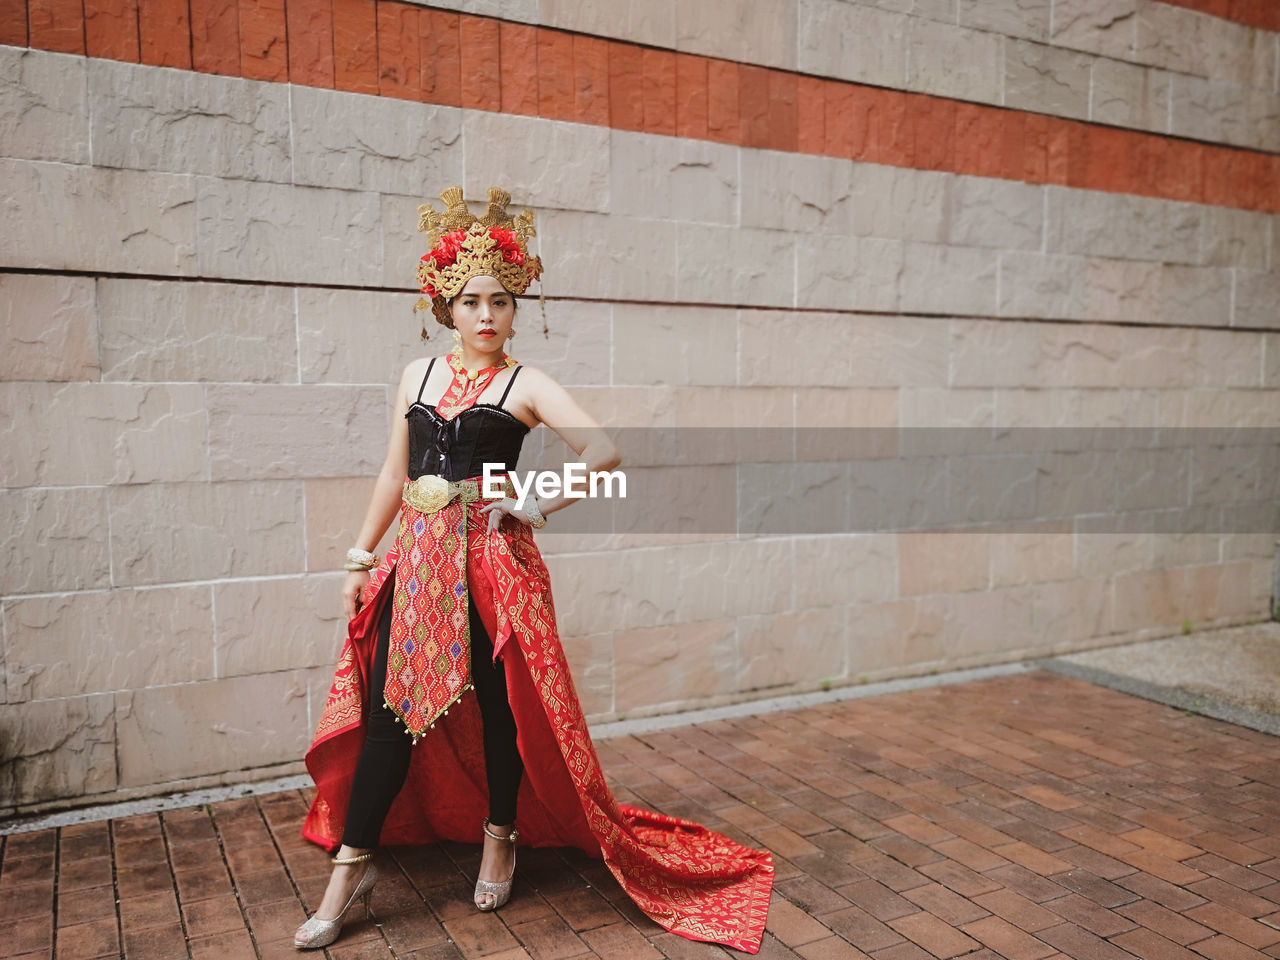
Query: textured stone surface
(403,246)
(47,328)
(1196,296)
(1033,557)
(848,568)
(334,511)
(610,258)
(707,339)
(1225,113)
(162,532)
(1046,79)
(1104,27)
(540,163)
(163,330)
(57,749)
(786,191)
(672,178)
(359,336)
(86,433)
(755,267)
(953,61)
(47,543)
(681,663)
(1241,54)
(142,222)
(591,666)
(805,646)
(168,733)
(1235,238)
(1028,19)
(943,562)
(777,499)
(524,11)
(901,204)
(852,42)
(1128,95)
(363,142)
(1049,287)
(1257,300)
(754,31)
(275,432)
(650,22)
(184,122)
(996,213)
(44,113)
(848,273)
(948,280)
(70,644)
(1124,226)
(266,231)
(1271,360)
(1172,37)
(278,624)
(576,345)
(1123,290)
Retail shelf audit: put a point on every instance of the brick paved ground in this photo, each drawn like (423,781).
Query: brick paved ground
(1028,816)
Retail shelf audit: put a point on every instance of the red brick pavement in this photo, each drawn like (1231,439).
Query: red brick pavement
(1030,816)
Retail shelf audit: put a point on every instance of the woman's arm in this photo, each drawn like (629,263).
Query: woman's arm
(385,502)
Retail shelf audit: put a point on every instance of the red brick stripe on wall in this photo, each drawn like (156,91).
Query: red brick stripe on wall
(402,50)
(1253,13)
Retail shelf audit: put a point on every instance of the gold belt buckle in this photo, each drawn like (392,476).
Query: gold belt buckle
(428,493)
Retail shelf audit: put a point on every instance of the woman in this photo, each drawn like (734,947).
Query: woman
(462,602)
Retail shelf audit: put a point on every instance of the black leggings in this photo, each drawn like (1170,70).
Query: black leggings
(384,760)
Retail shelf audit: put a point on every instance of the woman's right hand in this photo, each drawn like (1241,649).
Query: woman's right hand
(351,589)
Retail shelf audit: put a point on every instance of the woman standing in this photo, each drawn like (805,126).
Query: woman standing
(463,601)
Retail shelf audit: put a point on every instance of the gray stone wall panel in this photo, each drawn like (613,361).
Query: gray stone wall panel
(44,110)
(48,328)
(53,540)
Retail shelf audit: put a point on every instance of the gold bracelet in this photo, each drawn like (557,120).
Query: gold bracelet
(536,519)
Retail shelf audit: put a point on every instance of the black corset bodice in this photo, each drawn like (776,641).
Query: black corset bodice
(459,448)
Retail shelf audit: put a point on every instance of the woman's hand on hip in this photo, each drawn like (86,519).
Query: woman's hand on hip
(351,589)
(497,508)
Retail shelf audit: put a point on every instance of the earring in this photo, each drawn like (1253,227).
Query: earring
(512,334)
(457,344)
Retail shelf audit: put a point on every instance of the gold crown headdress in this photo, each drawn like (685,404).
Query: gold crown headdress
(464,246)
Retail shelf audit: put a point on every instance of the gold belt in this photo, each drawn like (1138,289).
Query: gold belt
(430,493)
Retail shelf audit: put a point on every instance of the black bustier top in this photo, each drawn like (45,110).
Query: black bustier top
(460,447)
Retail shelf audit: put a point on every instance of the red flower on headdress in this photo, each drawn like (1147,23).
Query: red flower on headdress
(508,245)
(447,249)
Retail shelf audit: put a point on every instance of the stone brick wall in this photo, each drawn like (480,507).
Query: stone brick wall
(991,213)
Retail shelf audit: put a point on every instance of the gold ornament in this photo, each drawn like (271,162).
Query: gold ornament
(464,246)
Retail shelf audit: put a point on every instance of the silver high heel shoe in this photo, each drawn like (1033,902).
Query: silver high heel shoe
(324,932)
(500,890)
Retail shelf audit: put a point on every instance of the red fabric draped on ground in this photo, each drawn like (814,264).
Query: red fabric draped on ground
(692,881)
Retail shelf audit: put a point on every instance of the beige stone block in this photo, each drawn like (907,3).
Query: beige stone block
(754,31)
(707,339)
(165,532)
(741,407)
(899,203)
(953,61)
(1125,290)
(57,750)
(1104,27)
(142,222)
(665,504)
(592,667)
(184,122)
(53,539)
(1226,472)
(522,11)
(1102,554)
(837,569)
(980,625)
(848,273)
(278,624)
(651,22)
(803,194)
(543,163)
(852,42)
(628,406)
(1046,554)
(933,407)
(164,330)
(821,408)
(279,232)
(1129,95)
(1124,226)
(996,213)
(1225,113)
(753,264)
(1185,549)
(857,350)
(677,664)
(1235,238)
(786,499)
(1218,408)
(1046,79)
(610,257)
(69,644)
(671,178)
(1028,19)
(1172,37)
(899,493)
(942,562)
(48,330)
(1069,613)
(219,726)
(363,142)
(335,509)
(1271,360)
(91,433)
(802,647)
(884,637)
(1196,296)
(1239,53)
(44,113)
(360,336)
(278,432)
(1257,299)
(1227,358)
(948,280)
(1043,286)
